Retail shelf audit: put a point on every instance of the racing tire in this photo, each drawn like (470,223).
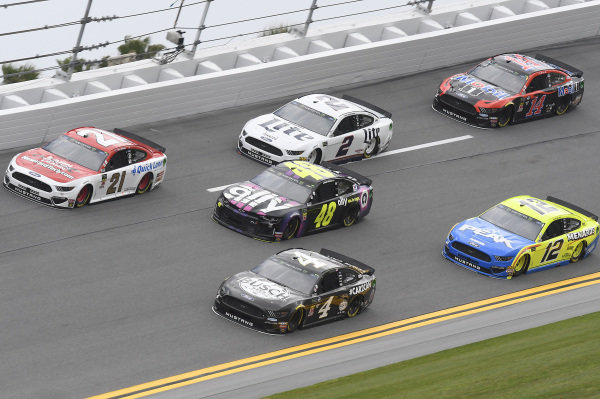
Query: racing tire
(578,252)
(562,107)
(522,265)
(144,184)
(371,148)
(83,197)
(295,320)
(354,307)
(505,116)
(314,156)
(351,216)
(291,229)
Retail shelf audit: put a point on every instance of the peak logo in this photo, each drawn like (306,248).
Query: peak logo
(488,234)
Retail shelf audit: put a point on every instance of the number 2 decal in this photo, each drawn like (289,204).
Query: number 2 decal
(345,146)
(552,250)
(324,217)
(114,179)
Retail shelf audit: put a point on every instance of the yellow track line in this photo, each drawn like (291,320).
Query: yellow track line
(265,359)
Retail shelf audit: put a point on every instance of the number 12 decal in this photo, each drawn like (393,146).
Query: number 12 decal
(552,250)
(114,179)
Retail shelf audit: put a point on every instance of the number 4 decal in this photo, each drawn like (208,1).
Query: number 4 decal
(324,310)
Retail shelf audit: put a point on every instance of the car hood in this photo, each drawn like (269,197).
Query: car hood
(260,291)
(252,198)
(41,162)
(470,89)
(488,237)
(280,133)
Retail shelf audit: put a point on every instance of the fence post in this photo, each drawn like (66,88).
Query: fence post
(201,27)
(76,49)
(313,7)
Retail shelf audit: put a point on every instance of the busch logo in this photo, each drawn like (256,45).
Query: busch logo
(486,233)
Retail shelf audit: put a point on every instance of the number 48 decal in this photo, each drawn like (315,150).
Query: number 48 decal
(324,217)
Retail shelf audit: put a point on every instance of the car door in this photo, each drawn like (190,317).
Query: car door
(538,99)
(351,136)
(554,244)
(327,299)
(119,177)
(323,209)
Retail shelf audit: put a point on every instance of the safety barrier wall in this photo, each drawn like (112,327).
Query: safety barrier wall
(220,89)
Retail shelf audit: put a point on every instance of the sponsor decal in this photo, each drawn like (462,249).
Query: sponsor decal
(360,288)
(364,199)
(57,166)
(343,305)
(262,288)
(568,89)
(239,319)
(526,63)
(277,125)
(578,235)
(34,174)
(160,176)
(248,198)
(248,297)
(487,233)
(311,311)
(475,87)
(139,169)
(103,182)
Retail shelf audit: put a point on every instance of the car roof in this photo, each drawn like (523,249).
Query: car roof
(330,105)
(548,211)
(304,173)
(309,261)
(98,138)
(522,63)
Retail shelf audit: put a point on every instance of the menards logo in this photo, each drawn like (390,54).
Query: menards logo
(581,234)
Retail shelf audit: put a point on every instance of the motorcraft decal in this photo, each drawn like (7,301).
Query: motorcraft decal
(56,167)
(263,288)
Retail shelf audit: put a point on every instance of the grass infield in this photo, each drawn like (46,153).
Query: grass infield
(558,360)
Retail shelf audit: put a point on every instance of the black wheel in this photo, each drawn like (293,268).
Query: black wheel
(83,197)
(562,106)
(314,156)
(505,116)
(295,320)
(522,265)
(355,306)
(578,252)
(351,216)
(144,184)
(291,229)
(371,148)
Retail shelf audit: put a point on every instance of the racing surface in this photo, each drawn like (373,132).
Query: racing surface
(120,293)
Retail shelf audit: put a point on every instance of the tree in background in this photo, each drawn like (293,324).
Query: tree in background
(142,48)
(80,66)
(25,72)
(275,30)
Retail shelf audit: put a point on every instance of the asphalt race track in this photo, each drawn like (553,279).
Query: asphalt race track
(118,294)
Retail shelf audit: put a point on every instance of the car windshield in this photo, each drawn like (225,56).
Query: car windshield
(306,117)
(75,151)
(277,182)
(513,221)
(491,72)
(287,275)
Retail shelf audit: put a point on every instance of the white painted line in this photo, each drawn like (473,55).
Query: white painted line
(418,147)
(385,154)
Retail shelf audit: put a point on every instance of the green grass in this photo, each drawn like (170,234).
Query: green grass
(559,360)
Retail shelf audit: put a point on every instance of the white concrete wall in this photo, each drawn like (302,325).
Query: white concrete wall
(146,92)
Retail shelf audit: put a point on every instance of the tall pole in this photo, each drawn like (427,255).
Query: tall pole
(76,49)
(313,7)
(201,27)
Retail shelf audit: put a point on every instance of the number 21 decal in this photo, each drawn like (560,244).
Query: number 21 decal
(114,179)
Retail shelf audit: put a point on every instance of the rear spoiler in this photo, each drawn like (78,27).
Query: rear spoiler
(560,65)
(348,261)
(361,179)
(142,140)
(365,104)
(573,207)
